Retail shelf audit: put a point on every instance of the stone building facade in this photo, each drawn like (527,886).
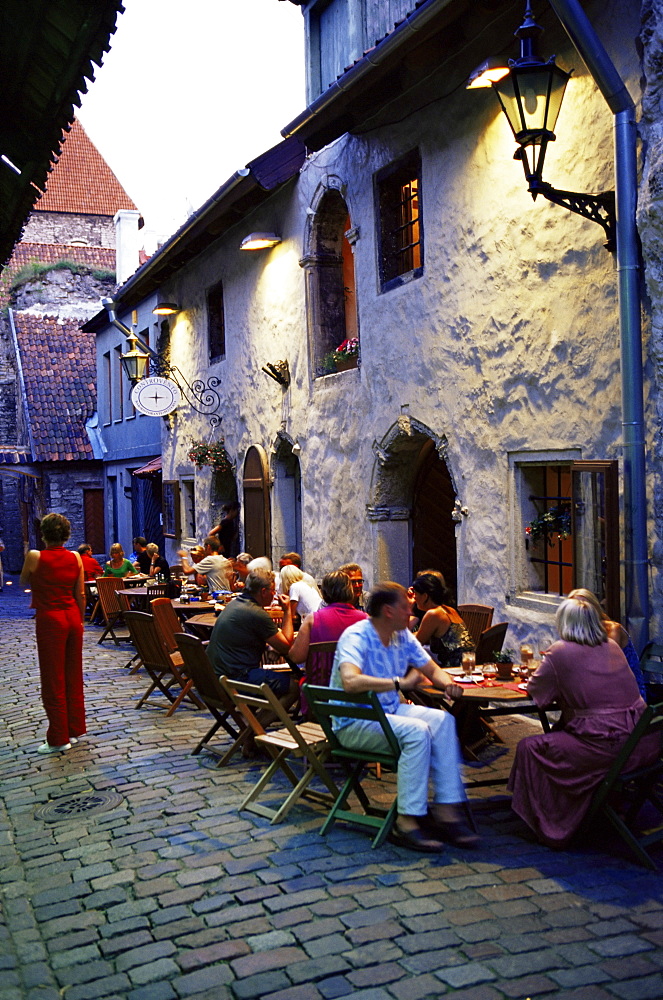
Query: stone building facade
(58,272)
(487,379)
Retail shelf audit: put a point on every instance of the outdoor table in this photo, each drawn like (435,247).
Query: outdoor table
(192,608)
(204,623)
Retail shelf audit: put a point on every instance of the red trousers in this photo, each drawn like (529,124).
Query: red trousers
(60,650)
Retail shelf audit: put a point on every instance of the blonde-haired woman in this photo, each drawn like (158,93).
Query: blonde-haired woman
(618,633)
(554,774)
(304,599)
(117,565)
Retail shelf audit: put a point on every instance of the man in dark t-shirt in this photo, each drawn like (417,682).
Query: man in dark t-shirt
(242,631)
(143,557)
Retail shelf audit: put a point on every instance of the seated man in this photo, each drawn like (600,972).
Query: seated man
(241,631)
(380,654)
(354,572)
(215,567)
(293,559)
(91,568)
(143,560)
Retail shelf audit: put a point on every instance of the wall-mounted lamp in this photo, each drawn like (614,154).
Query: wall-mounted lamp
(530,93)
(134,362)
(279,371)
(489,72)
(259,241)
(166,309)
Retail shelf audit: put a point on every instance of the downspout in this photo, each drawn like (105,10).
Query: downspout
(605,75)
(21,383)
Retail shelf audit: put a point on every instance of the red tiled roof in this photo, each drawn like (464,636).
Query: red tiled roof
(50,253)
(59,369)
(82,181)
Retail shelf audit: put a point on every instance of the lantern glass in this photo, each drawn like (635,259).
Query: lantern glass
(531,97)
(135,364)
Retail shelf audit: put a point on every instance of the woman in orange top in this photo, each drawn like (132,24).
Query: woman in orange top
(55,576)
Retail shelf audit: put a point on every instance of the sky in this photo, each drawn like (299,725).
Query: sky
(190,91)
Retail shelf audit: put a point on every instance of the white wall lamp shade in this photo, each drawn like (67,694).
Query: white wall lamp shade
(260,241)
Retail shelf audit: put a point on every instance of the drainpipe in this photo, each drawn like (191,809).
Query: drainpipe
(605,75)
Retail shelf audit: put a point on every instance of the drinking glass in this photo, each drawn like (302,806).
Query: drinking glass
(489,671)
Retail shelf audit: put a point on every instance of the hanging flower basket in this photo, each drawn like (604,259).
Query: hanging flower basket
(553,522)
(214,455)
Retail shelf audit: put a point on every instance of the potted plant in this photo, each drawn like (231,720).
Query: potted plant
(554,521)
(346,354)
(504,658)
(214,454)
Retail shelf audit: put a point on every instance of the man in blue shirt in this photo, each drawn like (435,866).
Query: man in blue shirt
(381,655)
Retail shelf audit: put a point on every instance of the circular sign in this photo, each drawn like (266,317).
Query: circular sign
(155,397)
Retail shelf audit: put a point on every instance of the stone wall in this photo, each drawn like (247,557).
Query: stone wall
(650,225)
(66,228)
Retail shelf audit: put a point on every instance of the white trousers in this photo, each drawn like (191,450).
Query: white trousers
(429,749)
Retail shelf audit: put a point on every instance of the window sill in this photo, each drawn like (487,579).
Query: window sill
(401,279)
(533,600)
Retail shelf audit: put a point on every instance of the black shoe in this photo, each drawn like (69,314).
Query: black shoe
(416,840)
(454,833)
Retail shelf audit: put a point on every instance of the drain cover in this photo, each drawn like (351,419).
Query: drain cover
(70,806)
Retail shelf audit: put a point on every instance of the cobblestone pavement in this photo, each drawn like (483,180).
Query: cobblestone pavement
(173,894)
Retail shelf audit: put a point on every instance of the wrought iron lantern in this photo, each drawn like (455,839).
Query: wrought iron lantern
(134,362)
(530,94)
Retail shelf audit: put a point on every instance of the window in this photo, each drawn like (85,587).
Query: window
(121,387)
(188,508)
(331,301)
(108,389)
(216,328)
(170,498)
(398,193)
(570,524)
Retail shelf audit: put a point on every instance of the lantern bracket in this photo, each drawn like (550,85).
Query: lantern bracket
(598,208)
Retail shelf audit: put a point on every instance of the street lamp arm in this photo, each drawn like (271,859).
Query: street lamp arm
(598,208)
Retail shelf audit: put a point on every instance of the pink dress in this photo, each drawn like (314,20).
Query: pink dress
(554,774)
(330,622)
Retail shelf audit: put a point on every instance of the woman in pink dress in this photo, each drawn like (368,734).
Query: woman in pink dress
(554,774)
(55,577)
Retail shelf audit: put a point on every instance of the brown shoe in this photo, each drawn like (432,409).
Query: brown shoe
(416,840)
(454,833)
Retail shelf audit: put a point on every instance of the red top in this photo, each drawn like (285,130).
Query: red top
(330,622)
(54,579)
(91,568)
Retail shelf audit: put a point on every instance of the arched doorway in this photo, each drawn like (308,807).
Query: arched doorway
(413,499)
(257,521)
(433,528)
(286,501)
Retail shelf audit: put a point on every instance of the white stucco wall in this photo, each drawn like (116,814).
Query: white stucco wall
(508,343)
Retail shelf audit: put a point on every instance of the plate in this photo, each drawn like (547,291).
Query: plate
(522,687)
(455,671)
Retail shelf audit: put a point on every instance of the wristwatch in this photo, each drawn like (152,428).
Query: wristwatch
(397,685)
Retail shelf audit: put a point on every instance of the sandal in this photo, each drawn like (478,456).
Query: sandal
(416,840)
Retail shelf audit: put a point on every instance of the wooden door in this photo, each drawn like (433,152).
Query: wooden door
(257,522)
(433,530)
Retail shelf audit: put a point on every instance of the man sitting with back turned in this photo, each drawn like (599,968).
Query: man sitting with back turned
(213,566)
(381,655)
(241,631)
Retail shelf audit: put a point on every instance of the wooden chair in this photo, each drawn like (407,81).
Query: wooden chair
(327,703)
(477,618)
(154,590)
(217,701)
(490,641)
(318,668)
(113,615)
(306,740)
(135,663)
(636,787)
(162,668)
(169,626)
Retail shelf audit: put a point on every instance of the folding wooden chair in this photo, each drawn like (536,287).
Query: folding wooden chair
(306,740)
(135,663)
(217,701)
(162,668)
(490,641)
(477,618)
(318,668)
(113,616)
(635,787)
(328,703)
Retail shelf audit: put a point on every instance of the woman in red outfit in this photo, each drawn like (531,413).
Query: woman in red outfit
(55,576)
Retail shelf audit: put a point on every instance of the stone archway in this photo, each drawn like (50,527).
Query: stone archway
(413,503)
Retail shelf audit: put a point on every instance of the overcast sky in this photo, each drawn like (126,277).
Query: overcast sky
(189,92)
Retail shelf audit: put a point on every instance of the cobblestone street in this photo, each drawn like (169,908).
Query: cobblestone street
(170,893)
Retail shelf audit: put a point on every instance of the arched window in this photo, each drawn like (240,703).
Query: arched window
(330,286)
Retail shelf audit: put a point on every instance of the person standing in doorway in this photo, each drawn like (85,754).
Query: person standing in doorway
(55,577)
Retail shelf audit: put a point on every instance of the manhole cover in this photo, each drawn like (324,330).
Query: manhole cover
(70,806)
